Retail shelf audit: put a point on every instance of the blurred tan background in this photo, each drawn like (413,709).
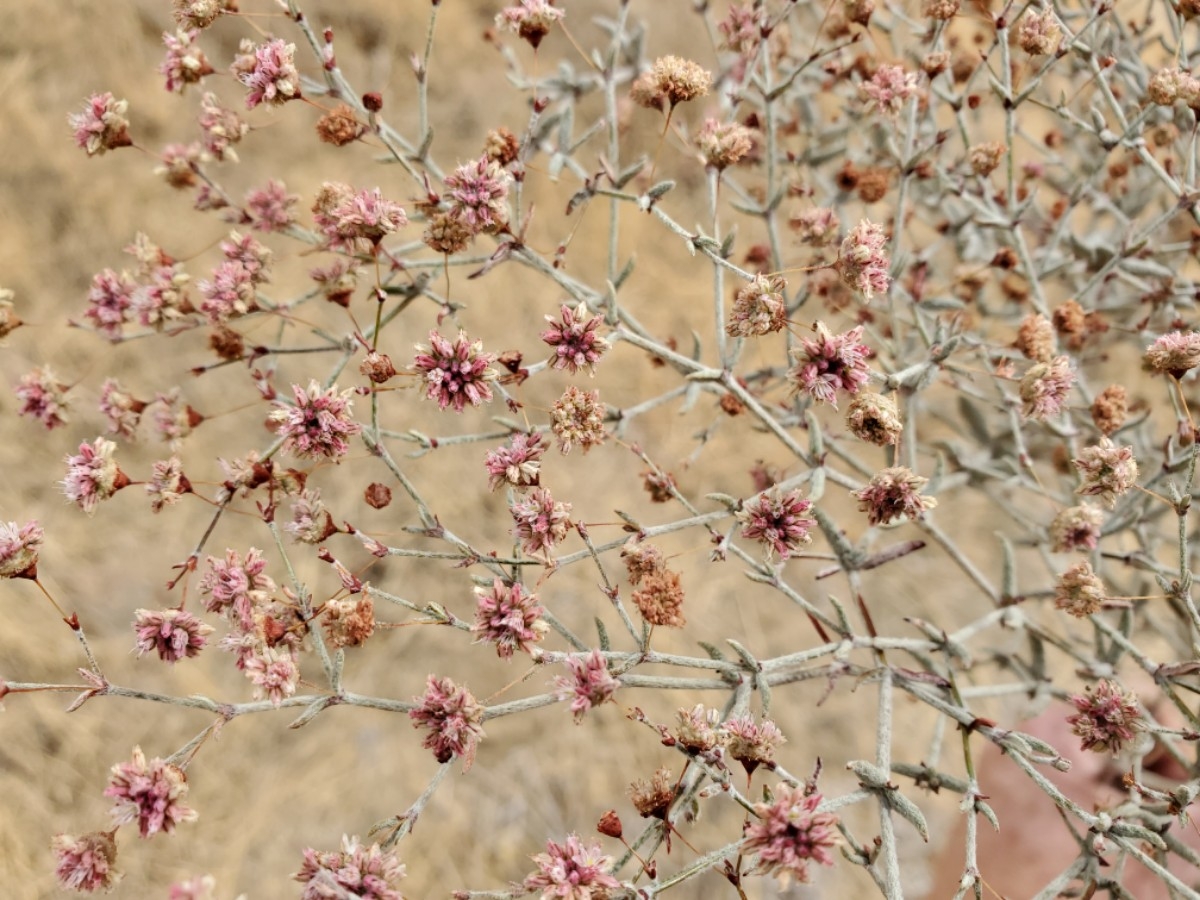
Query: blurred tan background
(264,792)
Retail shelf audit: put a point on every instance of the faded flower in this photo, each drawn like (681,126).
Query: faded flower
(1110,408)
(1035,338)
(862,262)
(750,743)
(1174,353)
(660,599)
(1039,33)
(723,144)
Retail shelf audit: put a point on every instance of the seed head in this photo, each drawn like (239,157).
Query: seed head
(679,80)
(350,621)
(1035,338)
(1110,408)
(723,144)
(660,599)
(652,799)
(1039,33)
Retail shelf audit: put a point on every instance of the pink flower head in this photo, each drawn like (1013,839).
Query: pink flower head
(273,78)
(541,521)
(354,871)
(1174,354)
(43,397)
(270,207)
(185,62)
(892,493)
(235,587)
(229,293)
(273,670)
(1106,471)
(86,863)
(318,424)
(531,19)
(888,90)
(202,887)
(778,521)
(862,261)
(1045,388)
(221,127)
(519,464)
(172,633)
(1107,717)
(121,408)
(478,193)
(759,308)
(178,164)
(742,28)
(1076,528)
(454,719)
(167,483)
(751,743)
(311,522)
(149,793)
(201,13)
(174,418)
(359,220)
(93,475)
(163,297)
(790,832)
(253,256)
(571,870)
(508,616)
(589,684)
(19,545)
(455,373)
(829,363)
(817,226)
(109,299)
(574,339)
(102,124)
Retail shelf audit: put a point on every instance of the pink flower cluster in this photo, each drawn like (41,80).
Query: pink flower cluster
(789,833)
(454,719)
(354,871)
(778,521)
(571,870)
(510,617)
(149,793)
(831,363)
(455,373)
(589,685)
(317,424)
(574,339)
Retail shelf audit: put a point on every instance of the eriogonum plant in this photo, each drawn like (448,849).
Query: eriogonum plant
(837,415)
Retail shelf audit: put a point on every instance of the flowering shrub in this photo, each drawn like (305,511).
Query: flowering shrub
(873,332)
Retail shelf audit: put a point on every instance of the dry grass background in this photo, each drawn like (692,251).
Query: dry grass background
(265,792)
